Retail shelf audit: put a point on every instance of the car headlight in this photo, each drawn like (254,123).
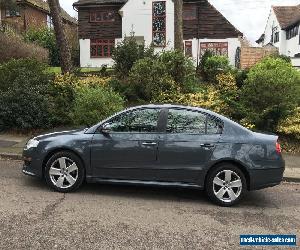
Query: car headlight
(32,143)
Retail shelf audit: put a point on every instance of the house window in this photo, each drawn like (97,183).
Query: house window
(49,21)
(220,49)
(102,47)
(276,37)
(159,23)
(188,48)
(189,13)
(12,12)
(292,32)
(102,16)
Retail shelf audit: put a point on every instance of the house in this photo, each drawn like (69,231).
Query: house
(31,14)
(282,31)
(104,23)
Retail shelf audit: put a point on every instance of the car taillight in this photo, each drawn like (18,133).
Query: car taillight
(278,148)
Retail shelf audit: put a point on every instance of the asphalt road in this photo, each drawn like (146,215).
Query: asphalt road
(124,217)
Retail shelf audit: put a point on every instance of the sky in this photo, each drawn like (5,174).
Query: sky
(248,16)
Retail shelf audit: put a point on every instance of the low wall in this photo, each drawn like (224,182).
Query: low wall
(252,55)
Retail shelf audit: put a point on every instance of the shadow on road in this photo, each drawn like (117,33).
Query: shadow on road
(255,199)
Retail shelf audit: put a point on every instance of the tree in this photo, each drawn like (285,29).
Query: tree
(178,5)
(61,38)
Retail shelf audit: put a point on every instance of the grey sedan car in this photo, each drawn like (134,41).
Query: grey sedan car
(164,145)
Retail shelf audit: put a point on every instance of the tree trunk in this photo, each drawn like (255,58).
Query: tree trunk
(178,29)
(61,39)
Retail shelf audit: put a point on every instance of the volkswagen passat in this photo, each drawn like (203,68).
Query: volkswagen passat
(163,145)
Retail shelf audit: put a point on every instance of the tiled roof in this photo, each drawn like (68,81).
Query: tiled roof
(287,15)
(44,6)
(87,2)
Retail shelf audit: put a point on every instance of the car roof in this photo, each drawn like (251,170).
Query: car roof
(169,106)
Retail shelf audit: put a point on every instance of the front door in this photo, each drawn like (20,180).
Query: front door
(187,146)
(129,150)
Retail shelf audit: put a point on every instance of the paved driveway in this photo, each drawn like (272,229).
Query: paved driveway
(113,217)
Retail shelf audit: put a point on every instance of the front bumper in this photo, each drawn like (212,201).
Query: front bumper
(32,164)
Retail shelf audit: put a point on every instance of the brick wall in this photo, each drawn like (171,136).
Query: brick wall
(34,18)
(29,17)
(252,55)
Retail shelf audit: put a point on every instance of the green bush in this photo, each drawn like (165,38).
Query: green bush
(200,68)
(215,65)
(62,96)
(283,57)
(291,125)
(240,76)
(228,89)
(24,102)
(45,38)
(180,68)
(168,72)
(270,92)
(127,53)
(148,78)
(93,104)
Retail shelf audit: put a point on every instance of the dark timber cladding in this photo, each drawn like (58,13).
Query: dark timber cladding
(102,30)
(208,22)
(201,20)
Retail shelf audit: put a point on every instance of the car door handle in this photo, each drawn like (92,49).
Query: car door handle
(207,145)
(149,143)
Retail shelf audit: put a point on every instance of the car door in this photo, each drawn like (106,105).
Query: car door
(129,150)
(188,143)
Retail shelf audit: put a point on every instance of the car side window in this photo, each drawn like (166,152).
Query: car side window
(192,122)
(214,126)
(142,120)
(186,121)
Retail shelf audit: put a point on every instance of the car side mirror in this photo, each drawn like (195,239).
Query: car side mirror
(106,128)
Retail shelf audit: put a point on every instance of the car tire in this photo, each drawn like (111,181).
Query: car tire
(226,185)
(64,172)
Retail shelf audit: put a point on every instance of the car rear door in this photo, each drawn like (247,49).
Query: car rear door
(129,150)
(187,145)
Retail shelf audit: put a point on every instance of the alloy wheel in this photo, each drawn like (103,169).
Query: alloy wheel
(63,173)
(227,186)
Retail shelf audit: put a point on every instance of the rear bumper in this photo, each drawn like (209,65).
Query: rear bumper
(263,178)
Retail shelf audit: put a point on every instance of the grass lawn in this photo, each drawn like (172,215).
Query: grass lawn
(54,69)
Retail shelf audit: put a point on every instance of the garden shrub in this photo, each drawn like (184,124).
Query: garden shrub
(229,93)
(93,104)
(291,125)
(240,76)
(270,93)
(45,38)
(283,57)
(124,88)
(127,53)
(209,98)
(62,96)
(92,81)
(200,67)
(180,68)
(24,102)
(149,77)
(13,47)
(226,82)
(213,66)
